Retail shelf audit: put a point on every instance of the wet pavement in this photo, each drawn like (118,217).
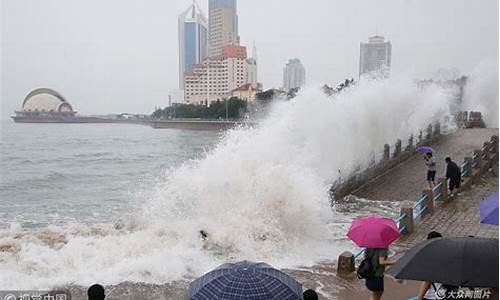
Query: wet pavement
(407,180)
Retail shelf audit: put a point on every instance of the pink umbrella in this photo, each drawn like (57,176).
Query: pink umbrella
(373,232)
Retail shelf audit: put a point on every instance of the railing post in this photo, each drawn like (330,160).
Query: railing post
(468,167)
(491,147)
(407,222)
(428,202)
(476,160)
(387,152)
(345,264)
(443,189)
(373,160)
(397,149)
(484,151)
(465,118)
(494,140)
(428,134)
(437,129)
(410,148)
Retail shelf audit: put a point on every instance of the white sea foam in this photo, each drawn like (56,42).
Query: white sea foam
(481,91)
(261,194)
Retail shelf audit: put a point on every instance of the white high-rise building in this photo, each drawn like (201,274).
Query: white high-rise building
(193,40)
(218,76)
(375,57)
(223,25)
(294,74)
(251,74)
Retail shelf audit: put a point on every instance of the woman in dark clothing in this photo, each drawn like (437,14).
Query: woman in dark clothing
(378,259)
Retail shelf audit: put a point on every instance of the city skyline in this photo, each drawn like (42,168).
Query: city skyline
(128,61)
(227,67)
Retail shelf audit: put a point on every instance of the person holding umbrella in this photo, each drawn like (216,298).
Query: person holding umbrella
(431,169)
(245,280)
(430,290)
(462,262)
(376,234)
(379,260)
(431,164)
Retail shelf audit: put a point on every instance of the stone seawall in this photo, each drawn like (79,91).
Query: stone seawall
(392,156)
(199,124)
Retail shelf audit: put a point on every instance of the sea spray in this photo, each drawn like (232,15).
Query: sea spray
(481,91)
(260,194)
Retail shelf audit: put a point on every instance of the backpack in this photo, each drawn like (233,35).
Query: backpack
(366,269)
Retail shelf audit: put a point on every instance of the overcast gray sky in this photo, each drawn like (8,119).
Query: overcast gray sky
(122,55)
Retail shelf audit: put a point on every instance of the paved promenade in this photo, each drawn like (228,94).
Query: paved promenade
(407,180)
(459,217)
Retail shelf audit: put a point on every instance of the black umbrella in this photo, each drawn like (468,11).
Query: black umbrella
(460,261)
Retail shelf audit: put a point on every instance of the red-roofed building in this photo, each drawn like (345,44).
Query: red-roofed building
(218,76)
(246,92)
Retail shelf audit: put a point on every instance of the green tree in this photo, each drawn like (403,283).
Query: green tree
(236,108)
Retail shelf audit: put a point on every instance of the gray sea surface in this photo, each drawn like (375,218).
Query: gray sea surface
(85,173)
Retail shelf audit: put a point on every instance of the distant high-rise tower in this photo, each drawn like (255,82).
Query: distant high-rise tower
(294,74)
(193,40)
(223,25)
(375,56)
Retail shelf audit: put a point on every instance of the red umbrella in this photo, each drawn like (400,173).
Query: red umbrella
(373,232)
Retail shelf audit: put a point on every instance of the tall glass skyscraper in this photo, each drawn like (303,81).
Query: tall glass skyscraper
(223,25)
(193,40)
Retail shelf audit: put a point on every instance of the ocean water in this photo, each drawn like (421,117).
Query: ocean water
(54,174)
(115,203)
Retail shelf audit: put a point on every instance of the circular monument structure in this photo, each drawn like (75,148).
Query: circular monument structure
(46,102)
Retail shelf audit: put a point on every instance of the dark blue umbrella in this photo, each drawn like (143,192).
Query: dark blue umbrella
(425,149)
(245,280)
(488,209)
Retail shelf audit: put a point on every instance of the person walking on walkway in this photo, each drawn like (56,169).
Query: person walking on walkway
(375,233)
(431,169)
(453,174)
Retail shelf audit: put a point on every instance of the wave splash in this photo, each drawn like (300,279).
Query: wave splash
(260,194)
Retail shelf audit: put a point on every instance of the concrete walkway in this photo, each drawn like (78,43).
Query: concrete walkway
(458,217)
(407,180)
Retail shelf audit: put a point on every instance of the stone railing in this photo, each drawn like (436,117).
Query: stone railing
(413,212)
(472,119)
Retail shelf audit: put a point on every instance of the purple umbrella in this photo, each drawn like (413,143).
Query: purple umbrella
(488,209)
(425,149)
